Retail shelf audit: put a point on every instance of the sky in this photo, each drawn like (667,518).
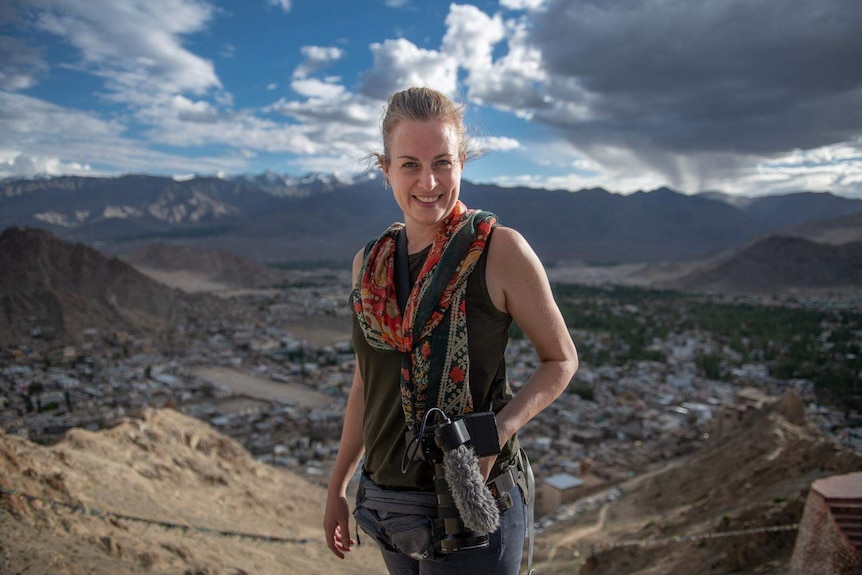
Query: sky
(748,97)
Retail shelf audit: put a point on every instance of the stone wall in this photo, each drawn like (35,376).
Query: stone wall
(822,547)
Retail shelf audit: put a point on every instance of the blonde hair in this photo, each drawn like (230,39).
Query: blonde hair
(422,104)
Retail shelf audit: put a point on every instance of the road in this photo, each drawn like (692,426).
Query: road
(262,388)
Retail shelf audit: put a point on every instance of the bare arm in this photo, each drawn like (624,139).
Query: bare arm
(337,515)
(519,286)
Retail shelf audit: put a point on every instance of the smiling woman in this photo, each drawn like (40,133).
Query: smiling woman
(433,300)
(425,176)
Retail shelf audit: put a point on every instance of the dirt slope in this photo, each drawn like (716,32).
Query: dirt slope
(172,469)
(756,478)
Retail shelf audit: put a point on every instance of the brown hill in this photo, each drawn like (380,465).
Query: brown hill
(54,290)
(176,471)
(777,264)
(211,265)
(170,469)
(757,477)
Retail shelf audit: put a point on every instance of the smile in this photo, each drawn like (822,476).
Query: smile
(428,199)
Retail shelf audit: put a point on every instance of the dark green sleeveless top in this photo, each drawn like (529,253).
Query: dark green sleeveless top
(384,427)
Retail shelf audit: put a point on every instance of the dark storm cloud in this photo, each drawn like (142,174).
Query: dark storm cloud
(745,76)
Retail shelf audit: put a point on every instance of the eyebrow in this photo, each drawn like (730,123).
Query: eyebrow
(437,157)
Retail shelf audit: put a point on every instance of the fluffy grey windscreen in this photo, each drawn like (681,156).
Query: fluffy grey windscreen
(474,501)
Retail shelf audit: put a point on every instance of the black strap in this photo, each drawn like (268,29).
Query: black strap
(402,270)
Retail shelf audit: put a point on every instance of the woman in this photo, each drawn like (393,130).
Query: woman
(441,347)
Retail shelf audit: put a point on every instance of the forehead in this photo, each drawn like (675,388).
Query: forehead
(430,137)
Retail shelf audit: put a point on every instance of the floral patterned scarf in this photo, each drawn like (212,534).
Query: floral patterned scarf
(432,331)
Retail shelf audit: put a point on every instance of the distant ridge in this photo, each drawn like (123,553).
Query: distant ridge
(781,263)
(840,230)
(271,218)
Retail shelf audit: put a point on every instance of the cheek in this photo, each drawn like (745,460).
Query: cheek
(454,178)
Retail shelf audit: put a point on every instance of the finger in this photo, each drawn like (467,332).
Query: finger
(333,542)
(336,550)
(347,541)
(342,540)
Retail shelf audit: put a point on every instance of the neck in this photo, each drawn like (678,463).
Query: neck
(420,237)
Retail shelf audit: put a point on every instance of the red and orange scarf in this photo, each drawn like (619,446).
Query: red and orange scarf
(432,331)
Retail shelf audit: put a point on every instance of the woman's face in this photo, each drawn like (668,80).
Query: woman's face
(425,169)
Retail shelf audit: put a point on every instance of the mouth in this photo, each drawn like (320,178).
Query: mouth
(427,199)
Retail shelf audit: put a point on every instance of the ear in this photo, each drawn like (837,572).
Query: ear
(383,164)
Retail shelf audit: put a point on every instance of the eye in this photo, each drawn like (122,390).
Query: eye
(409,164)
(444,163)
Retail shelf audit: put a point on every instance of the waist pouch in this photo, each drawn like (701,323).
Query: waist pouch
(399,521)
(413,535)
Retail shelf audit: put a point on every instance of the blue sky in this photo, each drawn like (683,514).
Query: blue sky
(745,97)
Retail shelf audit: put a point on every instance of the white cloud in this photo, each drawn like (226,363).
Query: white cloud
(20,64)
(522,4)
(23,165)
(313,88)
(283,4)
(322,54)
(317,58)
(835,168)
(227,51)
(497,143)
(514,81)
(345,164)
(399,64)
(27,119)
(47,138)
(135,46)
(239,130)
(190,111)
(471,35)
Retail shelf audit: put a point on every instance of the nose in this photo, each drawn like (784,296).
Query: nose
(427,181)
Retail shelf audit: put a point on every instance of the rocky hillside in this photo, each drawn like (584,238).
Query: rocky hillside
(56,290)
(757,477)
(167,470)
(173,471)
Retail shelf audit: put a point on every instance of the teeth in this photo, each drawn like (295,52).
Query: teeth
(427,199)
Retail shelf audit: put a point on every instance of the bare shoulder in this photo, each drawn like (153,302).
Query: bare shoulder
(509,250)
(513,268)
(357,263)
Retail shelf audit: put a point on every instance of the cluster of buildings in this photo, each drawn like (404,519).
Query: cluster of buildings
(288,410)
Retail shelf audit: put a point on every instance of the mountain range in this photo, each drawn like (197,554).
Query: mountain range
(276,219)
